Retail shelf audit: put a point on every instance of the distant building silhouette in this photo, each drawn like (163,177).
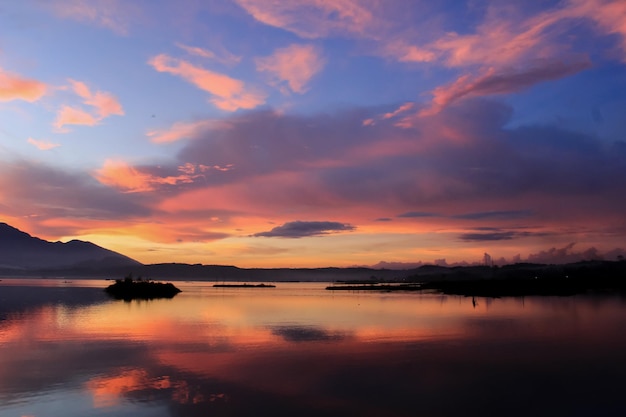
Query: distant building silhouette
(487,260)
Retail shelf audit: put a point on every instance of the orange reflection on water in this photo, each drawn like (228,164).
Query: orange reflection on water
(106,391)
(206,347)
(109,391)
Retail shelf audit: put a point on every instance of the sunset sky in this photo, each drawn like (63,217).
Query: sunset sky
(304,133)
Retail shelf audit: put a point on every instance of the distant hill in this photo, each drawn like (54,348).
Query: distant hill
(23,255)
(21,252)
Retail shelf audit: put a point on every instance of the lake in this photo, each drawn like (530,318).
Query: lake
(299,350)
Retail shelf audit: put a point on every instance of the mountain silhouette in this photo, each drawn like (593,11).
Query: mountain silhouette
(21,251)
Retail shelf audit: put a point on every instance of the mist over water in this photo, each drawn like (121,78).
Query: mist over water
(66,349)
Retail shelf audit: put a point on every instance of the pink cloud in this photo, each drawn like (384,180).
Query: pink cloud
(228,93)
(496,43)
(506,37)
(223,56)
(114,15)
(415,54)
(509,51)
(199,169)
(610,16)
(179,131)
(120,175)
(195,50)
(390,115)
(314,18)
(104,104)
(294,65)
(404,52)
(14,87)
(42,145)
(403,108)
(72,116)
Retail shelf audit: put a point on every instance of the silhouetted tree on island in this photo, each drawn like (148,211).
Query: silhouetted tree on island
(131,289)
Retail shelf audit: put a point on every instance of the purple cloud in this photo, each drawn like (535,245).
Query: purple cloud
(502,215)
(298,229)
(504,81)
(411,214)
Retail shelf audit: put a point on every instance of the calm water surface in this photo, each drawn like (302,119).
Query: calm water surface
(298,350)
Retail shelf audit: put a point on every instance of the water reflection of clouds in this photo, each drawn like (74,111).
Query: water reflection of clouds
(19,298)
(182,358)
(307,334)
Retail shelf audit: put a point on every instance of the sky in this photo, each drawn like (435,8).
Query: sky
(306,133)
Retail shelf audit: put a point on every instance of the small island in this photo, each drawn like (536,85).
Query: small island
(375,287)
(244,286)
(128,289)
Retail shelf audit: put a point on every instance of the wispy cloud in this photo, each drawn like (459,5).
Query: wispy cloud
(129,179)
(15,87)
(405,52)
(223,56)
(491,215)
(298,229)
(102,105)
(43,145)
(114,15)
(502,81)
(510,50)
(608,15)
(402,109)
(314,18)
(492,236)
(72,116)
(184,130)
(294,65)
(508,36)
(228,93)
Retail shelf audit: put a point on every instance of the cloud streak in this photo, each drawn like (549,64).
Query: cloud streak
(228,94)
(298,229)
(42,145)
(493,215)
(223,57)
(314,18)
(118,174)
(493,236)
(508,51)
(502,82)
(184,130)
(114,15)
